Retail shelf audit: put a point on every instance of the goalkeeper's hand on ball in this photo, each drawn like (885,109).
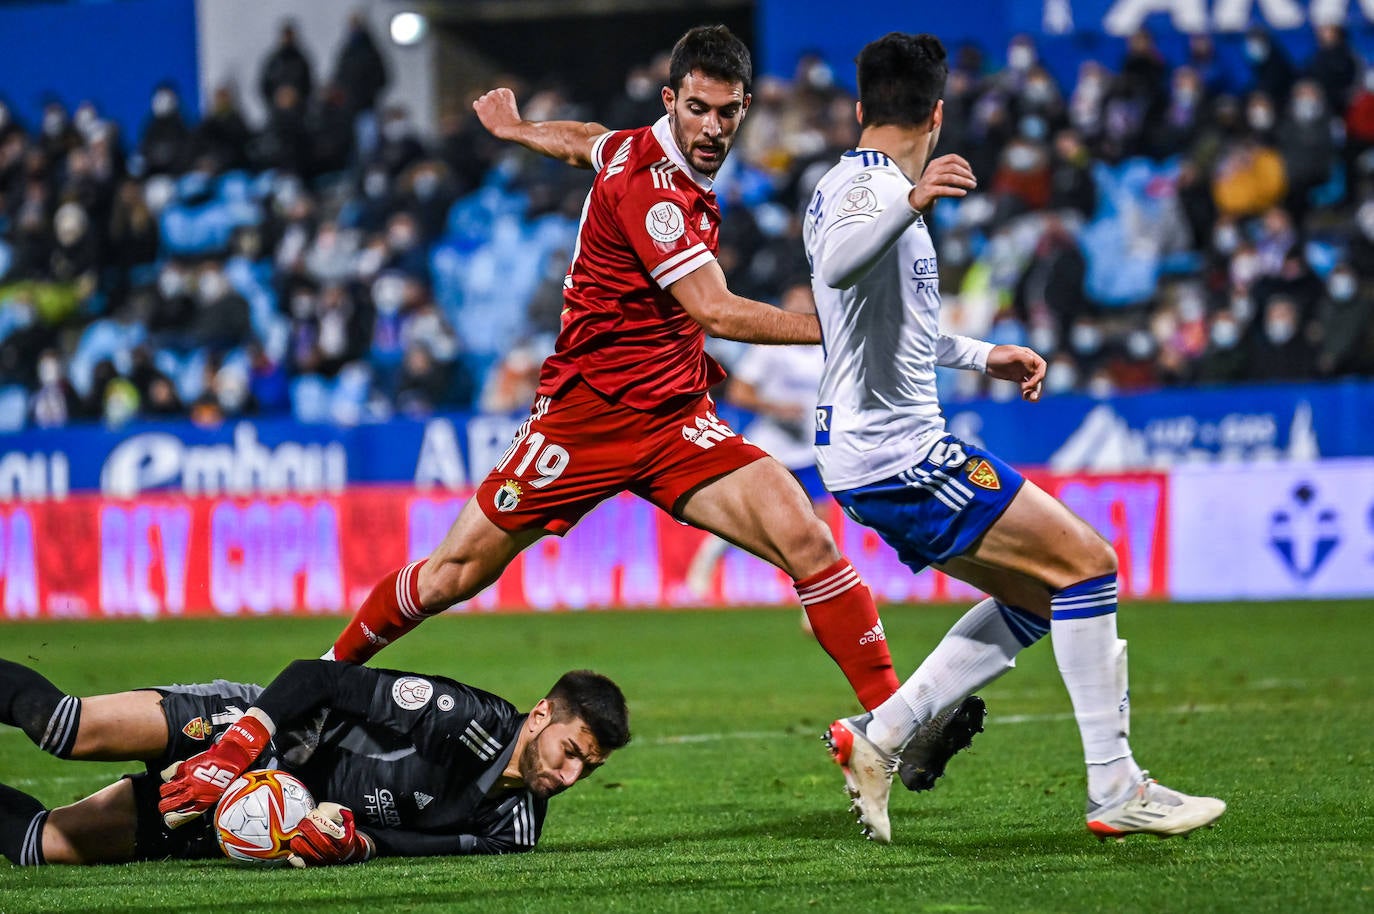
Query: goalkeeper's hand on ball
(327,836)
(196,784)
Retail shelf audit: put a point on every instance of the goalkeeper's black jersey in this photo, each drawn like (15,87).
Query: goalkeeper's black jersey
(413,756)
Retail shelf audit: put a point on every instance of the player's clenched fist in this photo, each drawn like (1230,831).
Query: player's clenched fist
(498,112)
(196,784)
(327,836)
(947,176)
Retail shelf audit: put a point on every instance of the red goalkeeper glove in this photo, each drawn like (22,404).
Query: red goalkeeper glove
(327,836)
(196,784)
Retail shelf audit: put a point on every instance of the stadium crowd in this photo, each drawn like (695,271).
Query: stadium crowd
(1158,224)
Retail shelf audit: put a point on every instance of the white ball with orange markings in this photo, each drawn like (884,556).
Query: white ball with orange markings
(259,815)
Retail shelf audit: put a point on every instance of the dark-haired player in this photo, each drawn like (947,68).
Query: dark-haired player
(403,764)
(883,451)
(622,403)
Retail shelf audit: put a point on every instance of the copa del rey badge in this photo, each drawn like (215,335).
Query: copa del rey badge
(981,474)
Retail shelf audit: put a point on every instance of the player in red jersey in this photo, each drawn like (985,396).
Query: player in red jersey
(622,402)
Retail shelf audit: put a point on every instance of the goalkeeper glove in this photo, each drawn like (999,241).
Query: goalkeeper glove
(196,784)
(328,836)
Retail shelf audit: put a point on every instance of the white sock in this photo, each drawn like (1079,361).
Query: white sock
(1092,662)
(980,647)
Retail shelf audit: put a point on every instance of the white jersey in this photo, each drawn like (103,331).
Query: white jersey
(789,375)
(877,289)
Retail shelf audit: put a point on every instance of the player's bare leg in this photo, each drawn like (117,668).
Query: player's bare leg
(471,556)
(763,509)
(98,829)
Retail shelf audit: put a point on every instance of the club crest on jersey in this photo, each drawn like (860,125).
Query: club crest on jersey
(981,474)
(858,200)
(198,728)
(664,222)
(508,496)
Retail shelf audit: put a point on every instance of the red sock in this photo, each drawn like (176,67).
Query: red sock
(845,621)
(392,609)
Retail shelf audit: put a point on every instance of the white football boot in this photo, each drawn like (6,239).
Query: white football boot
(867,774)
(1150,808)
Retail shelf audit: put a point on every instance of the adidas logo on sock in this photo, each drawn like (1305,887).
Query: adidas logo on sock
(373,637)
(873,635)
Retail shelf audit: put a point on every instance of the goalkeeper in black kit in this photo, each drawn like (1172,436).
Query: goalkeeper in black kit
(402,764)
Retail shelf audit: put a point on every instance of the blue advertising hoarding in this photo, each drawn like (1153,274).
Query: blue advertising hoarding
(1068,433)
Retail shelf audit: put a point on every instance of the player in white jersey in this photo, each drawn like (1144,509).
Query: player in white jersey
(884,453)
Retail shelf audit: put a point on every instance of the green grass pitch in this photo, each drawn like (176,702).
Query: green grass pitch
(725,800)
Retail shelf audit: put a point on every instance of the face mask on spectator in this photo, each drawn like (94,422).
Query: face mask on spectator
(369,261)
(212,287)
(302,306)
(1140,345)
(49,371)
(69,223)
(1342,286)
(1185,94)
(1041,339)
(1225,334)
(54,122)
(1190,307)
(1257,49)
(426,184)
(1306,109)
(164,102)
(85,120)
(1060,377)
(1260,117)
(396,130)
(1033,127)
(1020,57)
(1021,158)
(1244,269)
(1226,238)
(1242,308)
(388,293)
(1279,330)
(1364,218)
(820,76)
(374,185)
(1085,339)
(170,283)
(1039,91)
(400,238)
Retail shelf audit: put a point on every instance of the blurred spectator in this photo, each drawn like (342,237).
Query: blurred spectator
(166,142)
(1281,351)
(329,125)
(221,320)
(55,402)
(359,71)
(133,230)
(1345,320)
(423,383)
(286,66)
(1269,66)
(1052,284)
(1071,180)
(223,134)
(1333,65)
(400,147)
(512,383)
(1249,179)
(1306,145)
(284,142)
(1224,361)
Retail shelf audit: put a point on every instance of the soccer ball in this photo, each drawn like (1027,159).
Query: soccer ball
(259,814)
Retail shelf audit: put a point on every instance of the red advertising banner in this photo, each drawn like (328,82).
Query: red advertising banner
(163,556)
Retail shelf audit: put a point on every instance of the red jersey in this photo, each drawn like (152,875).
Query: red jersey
(649,220)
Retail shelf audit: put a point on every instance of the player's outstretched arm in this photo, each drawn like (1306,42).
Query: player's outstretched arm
(722,313)
(567,141)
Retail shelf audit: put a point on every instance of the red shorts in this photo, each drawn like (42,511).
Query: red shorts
(578,449)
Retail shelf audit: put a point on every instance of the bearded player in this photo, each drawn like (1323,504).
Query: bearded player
(622,403)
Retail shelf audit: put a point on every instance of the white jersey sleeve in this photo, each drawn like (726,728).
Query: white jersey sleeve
(877,289)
